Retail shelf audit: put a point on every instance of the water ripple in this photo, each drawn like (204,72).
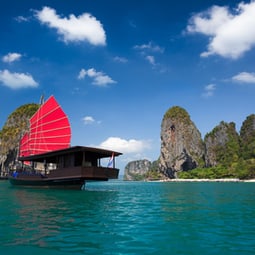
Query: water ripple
(130,218)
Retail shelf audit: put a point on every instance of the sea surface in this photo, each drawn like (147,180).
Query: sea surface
(118,217)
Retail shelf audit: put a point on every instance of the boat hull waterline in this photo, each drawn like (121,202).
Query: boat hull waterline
(64,178)
(70,183)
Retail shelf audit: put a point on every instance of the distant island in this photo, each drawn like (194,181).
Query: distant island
(223,153)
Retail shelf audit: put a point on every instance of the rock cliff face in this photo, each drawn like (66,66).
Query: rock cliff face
(135,170)
(182,147)
(222,140)
(247,137)
(15,126)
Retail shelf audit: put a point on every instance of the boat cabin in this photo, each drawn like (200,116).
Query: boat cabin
(77,161)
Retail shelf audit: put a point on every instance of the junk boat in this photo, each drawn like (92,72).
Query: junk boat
(69,168)
(48,160)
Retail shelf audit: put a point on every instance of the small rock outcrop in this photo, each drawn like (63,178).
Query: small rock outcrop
(182,147)
(136,170)
(222,144)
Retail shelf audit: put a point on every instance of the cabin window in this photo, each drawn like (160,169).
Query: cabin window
(78,159)
(66,161)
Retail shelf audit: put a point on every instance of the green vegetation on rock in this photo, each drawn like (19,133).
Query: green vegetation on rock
(234,154)
(224,143)
(247,137)
(16,125)
(243,169)
(177,112)
(153,173)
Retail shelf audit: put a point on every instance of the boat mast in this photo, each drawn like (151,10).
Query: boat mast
(42,99)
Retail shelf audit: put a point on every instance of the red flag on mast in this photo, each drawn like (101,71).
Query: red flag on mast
(110,163)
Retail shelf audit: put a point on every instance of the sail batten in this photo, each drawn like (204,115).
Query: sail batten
(41,124)
(35,120)
(49,130)
(52,117)
(52,130)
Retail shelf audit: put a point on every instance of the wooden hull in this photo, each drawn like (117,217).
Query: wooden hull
(67,183)
(68,178)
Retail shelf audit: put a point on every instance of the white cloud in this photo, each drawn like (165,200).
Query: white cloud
(231,33)
(209,90)
(125,146)
(99,78)
(17,80)
(120,59)
(74,29)
(88,120)
(22,19)
(151,60)
(149,47)
(148,50)
(82,74)
(244,77)
(11,57)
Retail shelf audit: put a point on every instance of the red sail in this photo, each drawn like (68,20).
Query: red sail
(49,130)
(24,145)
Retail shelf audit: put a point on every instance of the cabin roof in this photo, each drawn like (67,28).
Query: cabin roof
(97,152)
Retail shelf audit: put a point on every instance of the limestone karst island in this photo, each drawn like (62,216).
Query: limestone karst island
(224,153)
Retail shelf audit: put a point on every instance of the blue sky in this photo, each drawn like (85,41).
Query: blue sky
(116,67)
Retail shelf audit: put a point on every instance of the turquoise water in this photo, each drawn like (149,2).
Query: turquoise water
(129,218)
